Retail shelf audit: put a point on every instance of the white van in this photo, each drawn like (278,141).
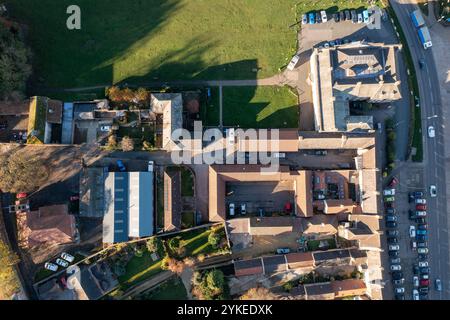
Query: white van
(231,209)
(323,13)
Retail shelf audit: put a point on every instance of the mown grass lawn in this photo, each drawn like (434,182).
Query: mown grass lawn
(260,107)
(210,111)
(138,269)
(158,39)
(173,289)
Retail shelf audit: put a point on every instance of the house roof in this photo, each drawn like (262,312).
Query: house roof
(172,200)
(248,267)
(276,140)
(318,289)
(54,111)
(37,119)
(300,258)
(320,256)
(12,108)
(341,206)
(348,285)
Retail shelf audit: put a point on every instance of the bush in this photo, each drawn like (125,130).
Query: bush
(214,239)
(127,144)
(174,243)
(288,286)
(155,245)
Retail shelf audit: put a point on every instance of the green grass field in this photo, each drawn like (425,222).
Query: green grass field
(139,269)
(173,289)
(260,107)
(138,41)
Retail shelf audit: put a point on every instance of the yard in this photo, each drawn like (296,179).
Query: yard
(210,110)
(138,269)
(313,245)
(260,107)
(172,289)
(138,41)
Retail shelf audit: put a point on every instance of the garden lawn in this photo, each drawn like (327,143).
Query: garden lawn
(139,269)
(188,219)
(260,107)
(313,245)
(187,183)
(138,41)
(210,112)
(173,289)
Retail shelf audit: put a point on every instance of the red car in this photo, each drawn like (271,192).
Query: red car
(421,207)
(393,182)
(424,282)
(21,195)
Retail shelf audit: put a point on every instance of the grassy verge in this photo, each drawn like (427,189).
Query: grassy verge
(416,117)
(260,107)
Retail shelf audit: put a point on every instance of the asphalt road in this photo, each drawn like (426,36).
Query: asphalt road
(434,172)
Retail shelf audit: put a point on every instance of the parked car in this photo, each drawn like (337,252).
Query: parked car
(421,207)
(347,15)
(389,192)
(415,281)
(425,276)
(423,264)
(421,63)
(412,231)
(392,233)
(400,296)
(396,267)
(389,205)
(391,224)
(398,282)
(399,290)
(413,245)
(422,250)
(422,244)
(336,17)
(393,182)
(438,284)
(68,257)
(421,232)
(365,16)
(354,16)
(433,191)
(389,199)
(360,18)
(62,263)
(416,195)
(420,213)
(423,257)
(394,247)
(312,18)
(415,294)
(421,201)
(431,132)
(424,282)
(423,290)
(422,226)
(293,62)
(324,16)
(338,42)
(121,166)
(283,250)
(421,220)
(421,237)
(393,254)
(391,218)
(395,260)
(304,19)
(397,275)
(231,209)
(341,15)
(51,266)
(392,240)
(318,18)
(390,211)
(425,270)
(105,128)
(243,208)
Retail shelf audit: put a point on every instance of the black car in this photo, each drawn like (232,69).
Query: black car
(398,282)
(338,42)
(415,269)
(347,15)
(422,244)
(392,240)
(421,220)
(423,290)
(342,15)
(354,16)
(399,297)
(422,226)
(423,296)
(397,275)
(336,17)
(391,224)
(421,237)
(318,18)
(393,254)
(423,257)
(387,204)
(390,211)
(424,270)
(392,233)
(415,195)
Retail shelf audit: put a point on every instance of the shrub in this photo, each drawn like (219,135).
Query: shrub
(155,245)
(174,243)
(127,144)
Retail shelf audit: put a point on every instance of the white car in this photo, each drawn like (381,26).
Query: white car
(279,155)
(231,209)
(243,208)
(431,132)
(68,257)
(415,281)
(415,294)
(304,19)
(433,192)
(51,266)
(422,250)
(421,201)
(293,62)
(399,290)
(396,267)
(394,247)
(412,231)
(323,13)
(62,263)
(360,18)
(231,136)
(150,166)
(421,213)
(105,128)
(423,264)
(389,192)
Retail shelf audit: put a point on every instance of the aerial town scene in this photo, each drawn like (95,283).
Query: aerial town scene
(224,150)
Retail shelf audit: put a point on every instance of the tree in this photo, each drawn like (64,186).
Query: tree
(112,142)
(259,293)
(155,245)
(21,173)
(174,243)
(215,281)
(172,264)
(9,283)
(15,67)
(127,144)
(214,239)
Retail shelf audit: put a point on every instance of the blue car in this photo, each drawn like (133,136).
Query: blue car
(121,166)
(421,237)
(312,18)
(421,232)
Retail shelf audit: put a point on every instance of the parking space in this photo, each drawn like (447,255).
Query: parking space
(269,196)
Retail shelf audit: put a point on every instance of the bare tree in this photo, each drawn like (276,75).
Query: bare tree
(127,144)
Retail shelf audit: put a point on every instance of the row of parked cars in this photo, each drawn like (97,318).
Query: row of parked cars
(63,261)
(350,15)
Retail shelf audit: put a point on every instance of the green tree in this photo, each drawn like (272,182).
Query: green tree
(215,281)
(9,283)
(174,243)
(21,173)
(15,67)
(214,239)
(155,245)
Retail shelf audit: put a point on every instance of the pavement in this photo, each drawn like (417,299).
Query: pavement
(434,153)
